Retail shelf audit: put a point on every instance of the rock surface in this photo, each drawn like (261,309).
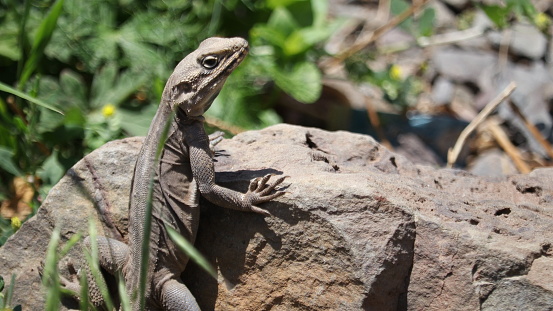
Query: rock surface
(360,228)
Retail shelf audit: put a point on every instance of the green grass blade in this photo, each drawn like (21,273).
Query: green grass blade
(84,299)
(50,278)
(9,292)
(147,228)
(125,302)
(72,241)
(22,35)
(11,90)
(41,40)
(92,259)
(191,251)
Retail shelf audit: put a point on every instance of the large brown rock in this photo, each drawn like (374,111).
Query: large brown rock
(360,228)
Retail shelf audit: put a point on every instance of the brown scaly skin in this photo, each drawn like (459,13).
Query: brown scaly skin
(184,172)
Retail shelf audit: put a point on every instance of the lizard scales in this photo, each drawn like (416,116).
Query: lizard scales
(184,172)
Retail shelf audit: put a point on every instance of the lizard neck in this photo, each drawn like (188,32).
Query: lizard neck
(144,171)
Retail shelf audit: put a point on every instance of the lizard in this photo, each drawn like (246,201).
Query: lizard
(183,172)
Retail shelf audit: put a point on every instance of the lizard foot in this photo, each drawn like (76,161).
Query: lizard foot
(260,191)
(72,284)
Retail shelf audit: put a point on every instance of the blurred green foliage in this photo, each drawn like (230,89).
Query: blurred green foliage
(6,295)
(77,74)
(502,14)
(103,65)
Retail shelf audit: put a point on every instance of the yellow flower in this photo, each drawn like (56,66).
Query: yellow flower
(108,110)
(16,223)
(542,20)
(395,72)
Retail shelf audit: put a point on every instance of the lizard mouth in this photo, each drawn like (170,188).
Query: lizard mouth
(237,58)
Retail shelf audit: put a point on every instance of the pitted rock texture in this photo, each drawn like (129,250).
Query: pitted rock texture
(360,228)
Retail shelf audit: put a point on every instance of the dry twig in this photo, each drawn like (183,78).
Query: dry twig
(453,153)
(503,140)
(373,36)
(533,130)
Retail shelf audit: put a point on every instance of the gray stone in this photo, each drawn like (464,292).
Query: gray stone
(360,228)
(442,92)
(462,66)
(528,41)
(492,163)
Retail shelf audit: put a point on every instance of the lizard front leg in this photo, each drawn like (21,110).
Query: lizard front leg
(259,190)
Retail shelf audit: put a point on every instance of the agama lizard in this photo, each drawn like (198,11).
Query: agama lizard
(184,171)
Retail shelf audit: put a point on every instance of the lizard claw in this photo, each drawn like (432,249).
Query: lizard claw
(215,139)
(260,191)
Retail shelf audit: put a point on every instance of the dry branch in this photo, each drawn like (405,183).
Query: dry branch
(453,153)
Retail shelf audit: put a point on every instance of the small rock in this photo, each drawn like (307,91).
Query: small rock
(493,163)
(528,41)
(442,92)
(462,66)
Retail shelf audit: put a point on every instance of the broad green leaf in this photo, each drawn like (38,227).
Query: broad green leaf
(282,20)
(8,41)
(273,4)
(9,89)
(191,251)
(103,82)
(320,12)
(42,37)
(51,170)
(6,162)
(303,82)
(426,22)
(497,14)
(73,89)
(295,44)
(271,35)
(137,122)
(397,7)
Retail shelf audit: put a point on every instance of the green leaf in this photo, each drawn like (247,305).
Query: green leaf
(303,82)
(273,4)
(497,14)
(6,162)
(107,88)
(2,283)
(137,122)
(426,22)
(9,89)
(271,35)
(73,89)
(8,39)
(295,44)
(283,21)
(51,170)
(191,251)
(320,12)
(42,37)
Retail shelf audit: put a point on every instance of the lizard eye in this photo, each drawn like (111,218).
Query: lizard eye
(210,62)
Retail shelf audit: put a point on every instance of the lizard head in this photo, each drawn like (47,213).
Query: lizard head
(199,77)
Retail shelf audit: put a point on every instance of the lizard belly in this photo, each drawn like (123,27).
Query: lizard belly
(177,202)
